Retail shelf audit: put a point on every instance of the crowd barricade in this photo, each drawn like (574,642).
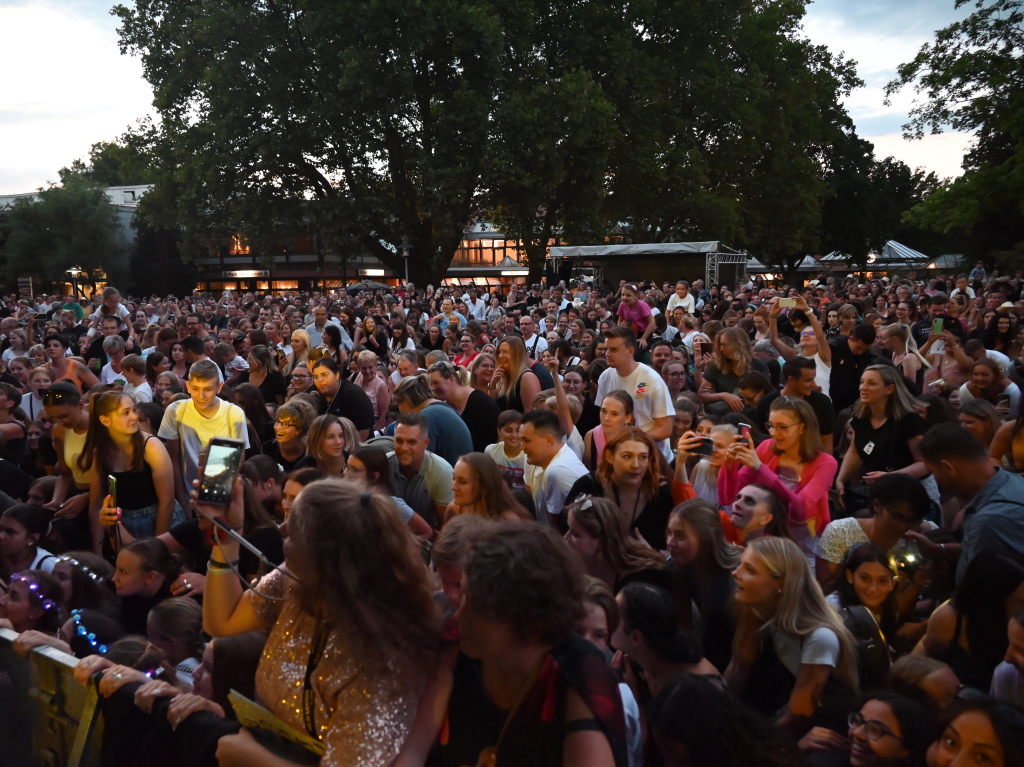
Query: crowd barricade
(47,719)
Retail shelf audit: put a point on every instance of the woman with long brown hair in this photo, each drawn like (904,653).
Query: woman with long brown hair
(116,447)
(733,357)
(355,609)
(478,488)
(607,554)
(630,474)
(513,384)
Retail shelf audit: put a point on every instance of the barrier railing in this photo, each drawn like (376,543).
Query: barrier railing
(47,719)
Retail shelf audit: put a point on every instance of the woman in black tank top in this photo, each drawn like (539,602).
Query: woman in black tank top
(116,447)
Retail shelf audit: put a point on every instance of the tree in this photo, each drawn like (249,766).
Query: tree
(70,225)
(122,162)
(971,78)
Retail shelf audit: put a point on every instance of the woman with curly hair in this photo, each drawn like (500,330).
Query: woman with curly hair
(525,689)
(355,608)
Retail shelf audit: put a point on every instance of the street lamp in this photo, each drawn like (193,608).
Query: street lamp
(405,247)
(75,272)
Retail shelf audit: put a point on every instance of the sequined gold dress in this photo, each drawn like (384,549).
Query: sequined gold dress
(362,718)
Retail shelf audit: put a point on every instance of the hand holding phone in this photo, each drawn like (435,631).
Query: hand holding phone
(223,461)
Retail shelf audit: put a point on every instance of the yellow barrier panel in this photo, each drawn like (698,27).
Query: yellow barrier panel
(47,719)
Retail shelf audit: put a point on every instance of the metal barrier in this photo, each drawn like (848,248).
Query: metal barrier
(47,719)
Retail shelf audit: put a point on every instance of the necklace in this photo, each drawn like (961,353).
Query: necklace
(636,504)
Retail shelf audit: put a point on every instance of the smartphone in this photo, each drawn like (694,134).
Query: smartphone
(112,484)
(787,303)
(707,446)
(223,460)
(745,431)
(1003,399)
(937,326)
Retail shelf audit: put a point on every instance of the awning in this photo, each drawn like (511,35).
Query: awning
(596,252)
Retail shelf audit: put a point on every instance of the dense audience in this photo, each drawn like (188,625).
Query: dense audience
(597,525)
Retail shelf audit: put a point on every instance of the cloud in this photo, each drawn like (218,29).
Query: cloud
(73,88)
(880,35)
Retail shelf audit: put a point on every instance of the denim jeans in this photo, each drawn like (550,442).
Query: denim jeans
(141,523)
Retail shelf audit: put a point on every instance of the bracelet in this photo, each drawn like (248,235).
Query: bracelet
(213,564)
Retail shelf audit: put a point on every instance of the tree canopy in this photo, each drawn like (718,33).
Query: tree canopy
(392,120)
(971,78)
(73,224)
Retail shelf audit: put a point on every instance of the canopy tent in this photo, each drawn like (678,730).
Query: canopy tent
(808,264)
(893,256)
(646,261)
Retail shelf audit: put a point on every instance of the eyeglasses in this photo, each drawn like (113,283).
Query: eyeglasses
(770,427)
(874,729)
(300,375)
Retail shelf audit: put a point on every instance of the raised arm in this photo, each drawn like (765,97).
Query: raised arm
(561,399)
(824,350)
(785,351)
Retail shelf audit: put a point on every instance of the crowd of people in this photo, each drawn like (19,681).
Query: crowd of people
(589,525)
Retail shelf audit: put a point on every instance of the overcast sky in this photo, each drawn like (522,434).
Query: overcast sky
(68,87)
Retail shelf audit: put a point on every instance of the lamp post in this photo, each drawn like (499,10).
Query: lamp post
(75,272)
(405,247)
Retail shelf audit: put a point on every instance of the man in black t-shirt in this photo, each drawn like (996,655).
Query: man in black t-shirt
(851,355)
(798,376)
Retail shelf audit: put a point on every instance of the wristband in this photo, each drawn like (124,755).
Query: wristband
(213,564)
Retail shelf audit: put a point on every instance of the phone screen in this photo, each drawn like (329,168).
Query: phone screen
(937,326)
(223,461)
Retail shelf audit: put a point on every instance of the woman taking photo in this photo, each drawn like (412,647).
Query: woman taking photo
(616,417)
(115,447)
(330,441)
(608,555)
(733,357)
(366,627)
(513,384)
(886,428)
(264,375)
(478,489)
(629,473)
(790,644)
(793,464)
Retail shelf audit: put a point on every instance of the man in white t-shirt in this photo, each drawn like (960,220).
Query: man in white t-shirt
(652,403)
(552,466)
(189,425)
(535,343)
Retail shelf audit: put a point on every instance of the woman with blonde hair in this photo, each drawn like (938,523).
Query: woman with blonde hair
(733,358)
(905,356)
(298,355)
(264,375)
(513,384)
(887,427)
(791,649)
(481,372)
(607,554)
(331,439)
